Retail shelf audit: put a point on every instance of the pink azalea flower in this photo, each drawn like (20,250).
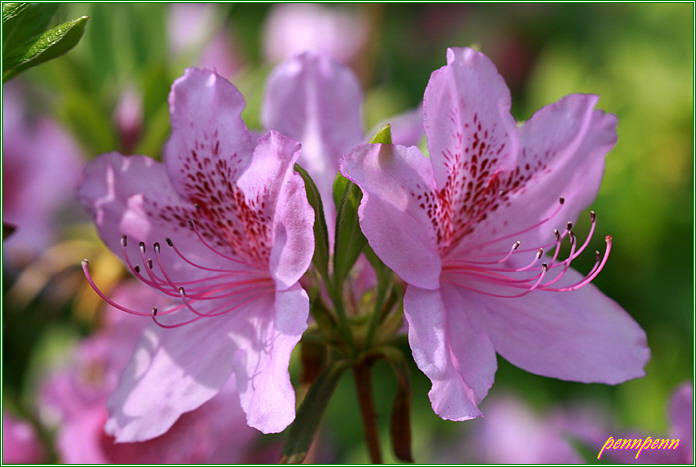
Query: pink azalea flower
(75,399)
(223,228)
(20,444)
(475,231)
(317,101)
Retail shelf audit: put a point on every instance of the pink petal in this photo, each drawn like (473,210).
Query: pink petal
(562,153)
(267,338)
(395,181)
(316,101)
(210,142)
(459,360)
(174,371)
(132,196)
(171,372)
(271,175)
(466,106)
(581,335)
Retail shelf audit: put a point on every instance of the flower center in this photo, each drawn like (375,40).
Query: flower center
(517,271)
(197,290)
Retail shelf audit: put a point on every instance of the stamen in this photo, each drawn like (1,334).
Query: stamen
(593,273)
(532,227)
(466,272)
(88,276)
(191,224)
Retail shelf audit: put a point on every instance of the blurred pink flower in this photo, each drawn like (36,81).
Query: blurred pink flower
(511,433)
(317,101)
(20,444)
(238,233)
(680,412)
(74,400)
(293,28)
(196,31)
(40,170)
(467,229)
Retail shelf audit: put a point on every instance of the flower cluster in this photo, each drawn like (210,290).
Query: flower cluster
(244,243)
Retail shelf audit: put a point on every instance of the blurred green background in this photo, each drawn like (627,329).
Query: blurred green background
(637,56)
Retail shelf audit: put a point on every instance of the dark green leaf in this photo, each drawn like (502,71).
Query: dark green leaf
(25,23)
(48,45)
(301,433)
(12,10)
(321,236)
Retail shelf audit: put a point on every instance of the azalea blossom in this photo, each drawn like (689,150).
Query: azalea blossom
(476,230)
(224,229)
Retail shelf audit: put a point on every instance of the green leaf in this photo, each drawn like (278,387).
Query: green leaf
(25,22)
(46,46)
(300,434)
(321,235)
(12,10)
(350,240)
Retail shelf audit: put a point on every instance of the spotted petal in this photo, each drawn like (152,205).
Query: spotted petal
(466,114)
(209,142)
(562,153)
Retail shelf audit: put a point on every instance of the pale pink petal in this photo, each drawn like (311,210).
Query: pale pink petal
(210,144)
(581,335)
(397,185)
(171,372)
(267,337)
(271,175)
(316,101)
(459,360)
(562,151)
(466,114)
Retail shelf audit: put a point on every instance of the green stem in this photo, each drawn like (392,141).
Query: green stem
(363,383)
(343,324)
(376,317)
